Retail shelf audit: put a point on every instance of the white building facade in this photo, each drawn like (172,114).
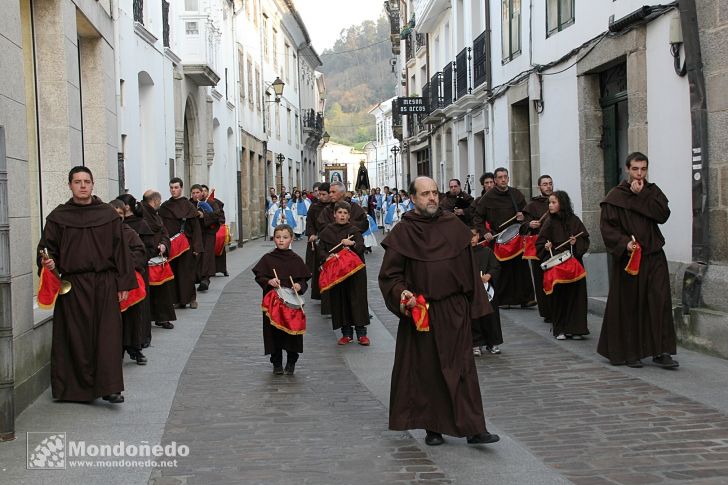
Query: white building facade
(382,167)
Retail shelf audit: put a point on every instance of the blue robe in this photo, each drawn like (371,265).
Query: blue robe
(290,220)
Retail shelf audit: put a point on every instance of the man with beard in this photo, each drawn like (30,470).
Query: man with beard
(536,210)
(312,261)
(84,241)
(458,202)
(499,208)
(434,378)
(209,220)
(217,206)
(161,301)
(180,217)
(638,318)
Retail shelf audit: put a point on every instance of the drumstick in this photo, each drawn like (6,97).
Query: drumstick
(300,302)
(349,237)
(276,275)
(552,253)
(509,220)
(567,242)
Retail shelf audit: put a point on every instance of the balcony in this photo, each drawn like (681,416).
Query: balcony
(138,7)
(428,12)
(436,99)
(420,43)
(165,23)
(199,49)
(464,99)
(313,127)
(447,83)
(409,49)
(481,62)
(392,9)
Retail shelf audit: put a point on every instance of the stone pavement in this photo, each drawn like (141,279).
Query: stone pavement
(563,413)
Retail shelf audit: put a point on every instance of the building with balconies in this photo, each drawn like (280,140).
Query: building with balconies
(311,120)
(381,159)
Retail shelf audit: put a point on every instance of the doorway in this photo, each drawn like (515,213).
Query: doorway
(615,120)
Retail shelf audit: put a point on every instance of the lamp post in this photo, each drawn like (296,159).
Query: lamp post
(280,158)
(278,89)
(395,150)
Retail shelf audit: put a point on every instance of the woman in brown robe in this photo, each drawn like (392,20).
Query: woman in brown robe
(568,300)
(349,306)
(286,264)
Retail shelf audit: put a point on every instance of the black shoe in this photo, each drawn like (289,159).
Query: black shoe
(225,274)
(635,364)
(665,361)
(167,325)
(114,398)
(140,358)
(203,286)
(146,344)
(483,438)
(278,370)
(290,369)
(529,304)
(433,438)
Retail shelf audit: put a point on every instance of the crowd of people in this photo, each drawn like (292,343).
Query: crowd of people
(451,263)
(129,263)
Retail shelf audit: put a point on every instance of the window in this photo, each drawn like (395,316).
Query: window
(295,73)
(298,130)
(191,5)
(265,36)
(287,64)
(191,28)
(251,94)
(288,125)
(511,24)
(275,49)
(559,15)
(241,74)
(278,120)
(258,83)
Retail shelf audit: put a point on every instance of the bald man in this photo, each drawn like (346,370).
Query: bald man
(434,379)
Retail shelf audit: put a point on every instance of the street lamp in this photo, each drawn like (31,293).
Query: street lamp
(278,89)
(395,150)
(280,158)
(325,137)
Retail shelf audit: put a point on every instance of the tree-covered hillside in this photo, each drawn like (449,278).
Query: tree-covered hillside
(357,75)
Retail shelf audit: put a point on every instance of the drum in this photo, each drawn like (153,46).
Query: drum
(554,261)
(507,235)
(179,244)
(222,239)
(509,243)
(289,298)
(136,295)
(562,268)
(282,316)
(489,290)
(335,270)
(529,247)
(159,271)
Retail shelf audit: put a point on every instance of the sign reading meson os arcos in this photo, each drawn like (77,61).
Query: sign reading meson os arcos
(407,106)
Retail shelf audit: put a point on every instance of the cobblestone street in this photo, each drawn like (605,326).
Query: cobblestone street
(564,414)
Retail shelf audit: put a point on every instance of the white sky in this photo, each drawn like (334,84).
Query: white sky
(325,19)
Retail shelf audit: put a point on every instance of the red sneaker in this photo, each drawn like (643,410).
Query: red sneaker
(364,340)
(345,340)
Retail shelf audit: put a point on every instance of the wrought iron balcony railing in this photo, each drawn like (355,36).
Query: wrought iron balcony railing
(435,92)
(462,76)
(138,7)
(481,62)
(447,81)
(165,22)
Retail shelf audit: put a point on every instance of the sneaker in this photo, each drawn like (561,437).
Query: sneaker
(115,398)
(483,438)
(345,340)
(433,438)
(665,361)
(494,349)
(290,369)
(477,352)
(203,286)
(561,336)
(364,340)
(167,325)
(635,364)
(193,305)
(278,370)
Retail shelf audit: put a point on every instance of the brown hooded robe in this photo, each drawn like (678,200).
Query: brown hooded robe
(161,300)
(88,247)
(434,379)
(535,209)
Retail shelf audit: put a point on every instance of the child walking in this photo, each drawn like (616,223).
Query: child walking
(486,330)
(274,270)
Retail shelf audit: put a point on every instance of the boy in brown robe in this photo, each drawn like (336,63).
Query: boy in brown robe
(535,211)
(349,305)
(638,319)
(179,215)
(487,331)
(286,265)
(434,379)
(209,219)
(84,240)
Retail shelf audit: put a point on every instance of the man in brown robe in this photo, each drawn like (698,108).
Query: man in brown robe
(496,208)
(209,219)
(312,261)
(161,301)
(337,191)
(638,318)
(434,379)
(84,240)
(180,215)
(219,207)
(458,202)
(534,213)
